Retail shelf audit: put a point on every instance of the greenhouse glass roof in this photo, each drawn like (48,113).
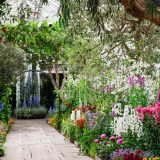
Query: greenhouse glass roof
(38,11)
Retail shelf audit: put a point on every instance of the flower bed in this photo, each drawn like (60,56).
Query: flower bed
(4,128)
(98,141)
(93,128)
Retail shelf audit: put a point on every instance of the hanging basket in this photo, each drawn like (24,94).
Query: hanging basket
(143,9)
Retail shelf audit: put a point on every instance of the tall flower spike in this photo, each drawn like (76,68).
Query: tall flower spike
(1,106)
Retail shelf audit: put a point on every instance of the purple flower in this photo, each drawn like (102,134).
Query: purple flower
(136,80)
(50,110)
(108,89)
(24,105)
(120,152)
(100,122)
(131,81)
(1,106)
(36,101)
(29,102)
(140,81)
(103,136)
(112,113)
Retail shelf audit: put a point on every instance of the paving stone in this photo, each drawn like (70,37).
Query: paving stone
(36,140)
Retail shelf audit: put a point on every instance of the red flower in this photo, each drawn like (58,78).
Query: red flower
(80,122)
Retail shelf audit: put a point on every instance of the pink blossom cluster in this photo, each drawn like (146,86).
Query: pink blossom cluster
(117,139)
(152,111)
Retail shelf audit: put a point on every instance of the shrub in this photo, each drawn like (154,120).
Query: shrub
(92,150)
(86,140)
(2,150)
(69,130)
(30,113)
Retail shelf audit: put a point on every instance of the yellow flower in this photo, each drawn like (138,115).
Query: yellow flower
(51,121)
(10,121)
(156,158)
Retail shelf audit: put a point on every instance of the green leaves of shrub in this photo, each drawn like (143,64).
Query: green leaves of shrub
(2,150)
(33,113)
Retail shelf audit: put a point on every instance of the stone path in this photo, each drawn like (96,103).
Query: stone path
(36,140)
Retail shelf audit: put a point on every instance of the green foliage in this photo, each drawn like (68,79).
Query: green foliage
(30,113)
(150,135)
(138,97)
(11,63)
(93,150)
(102,150)
(68,129)
(5,113)
(2,150)
(45,43)
(131,140)
(77,91)
(70,92)
(2,139)
(87,139)
(148,140)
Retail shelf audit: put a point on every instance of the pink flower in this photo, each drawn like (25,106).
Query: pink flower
(148,110)
(152,111)
(103,136)
(96,141)
(119,137)
(140,112)
(138,109)
(112,138)
(119,141)
(157,104)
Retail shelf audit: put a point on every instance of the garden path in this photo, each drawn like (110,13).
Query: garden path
(36,140)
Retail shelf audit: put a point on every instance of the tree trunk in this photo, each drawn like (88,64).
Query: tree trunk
(51,77)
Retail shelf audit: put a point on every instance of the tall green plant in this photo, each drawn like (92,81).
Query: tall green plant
(6,111)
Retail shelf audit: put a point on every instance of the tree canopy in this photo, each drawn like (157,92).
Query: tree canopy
(11,63)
